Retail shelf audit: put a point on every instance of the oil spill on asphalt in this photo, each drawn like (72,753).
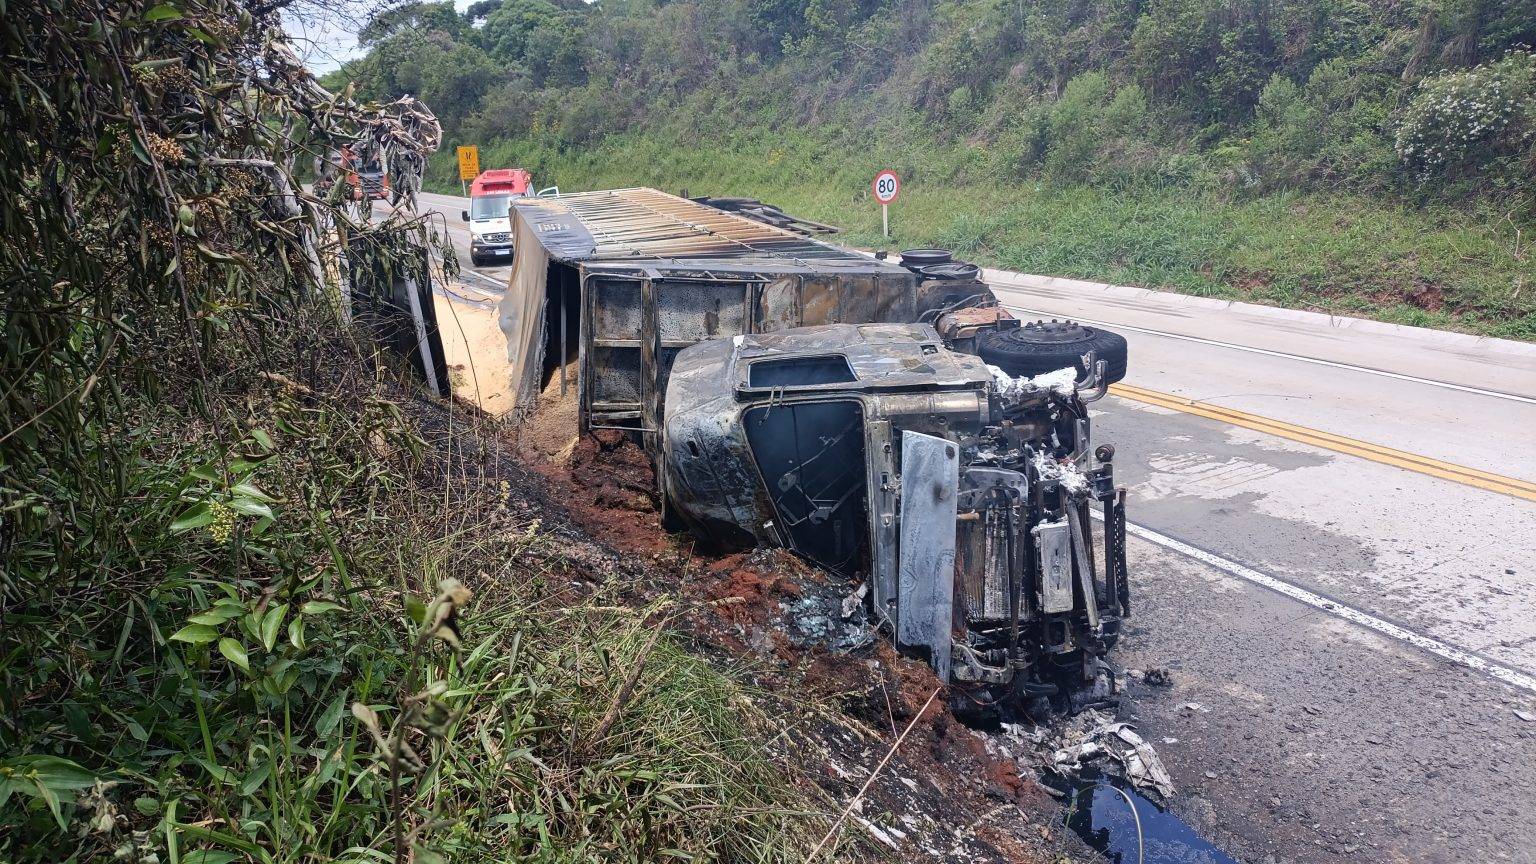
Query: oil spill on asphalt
(1100,816)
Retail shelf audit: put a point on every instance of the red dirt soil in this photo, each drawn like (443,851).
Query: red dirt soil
(742,604)
(607,485)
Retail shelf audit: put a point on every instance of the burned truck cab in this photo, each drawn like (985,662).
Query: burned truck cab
(960,495)
(891,423)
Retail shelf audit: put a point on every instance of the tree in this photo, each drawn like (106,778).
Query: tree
(549,42)
(415,18)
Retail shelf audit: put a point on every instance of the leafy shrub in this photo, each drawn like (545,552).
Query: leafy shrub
(223,526)
(1101,134)
(1077,120)
(1480,119)
(1329,132)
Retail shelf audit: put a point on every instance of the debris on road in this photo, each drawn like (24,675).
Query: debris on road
(1137,759)
(853,602)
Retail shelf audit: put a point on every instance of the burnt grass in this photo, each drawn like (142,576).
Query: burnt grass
(838,694)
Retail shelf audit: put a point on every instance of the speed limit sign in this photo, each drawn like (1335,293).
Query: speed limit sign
(887,185)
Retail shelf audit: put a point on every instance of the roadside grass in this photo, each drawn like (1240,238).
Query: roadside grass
(296,627)
(1470,270)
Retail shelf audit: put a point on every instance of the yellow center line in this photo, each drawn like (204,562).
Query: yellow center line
(1337,443)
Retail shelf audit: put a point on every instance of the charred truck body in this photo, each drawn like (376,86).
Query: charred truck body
(891,424)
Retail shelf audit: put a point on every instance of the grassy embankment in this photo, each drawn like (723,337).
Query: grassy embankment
(202,686)
(1442,267)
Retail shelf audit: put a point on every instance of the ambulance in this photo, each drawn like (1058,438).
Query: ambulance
(490,198)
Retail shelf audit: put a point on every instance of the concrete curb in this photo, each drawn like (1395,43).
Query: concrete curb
(1006,278)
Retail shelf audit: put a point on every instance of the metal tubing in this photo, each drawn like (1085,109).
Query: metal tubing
(562,334)
(1122,576)
(1095,386)
(1014,577)
(1084,573)
(1111,576)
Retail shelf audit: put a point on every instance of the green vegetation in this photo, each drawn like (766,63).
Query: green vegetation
(257,603)
(1433,265)
(1317,153)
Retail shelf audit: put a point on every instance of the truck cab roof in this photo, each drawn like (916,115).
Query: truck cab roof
(502,181)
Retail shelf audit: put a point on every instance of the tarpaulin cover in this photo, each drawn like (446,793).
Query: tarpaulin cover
(521,314)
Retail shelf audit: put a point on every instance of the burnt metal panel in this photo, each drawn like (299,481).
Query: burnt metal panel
(617,310)
(819,300)
(708,475)
(860,299)
(1053,542)
(693,311)
(930,478)
(650,343)
(778,305)
(615,375)
(883,481)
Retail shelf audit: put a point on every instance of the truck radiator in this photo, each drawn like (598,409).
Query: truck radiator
(983,574)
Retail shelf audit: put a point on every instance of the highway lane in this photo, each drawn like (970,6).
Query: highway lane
(1352,398)
(1322,734)
(451,208)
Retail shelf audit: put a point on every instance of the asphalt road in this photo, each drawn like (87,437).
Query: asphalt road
(1350,627)
(451,210)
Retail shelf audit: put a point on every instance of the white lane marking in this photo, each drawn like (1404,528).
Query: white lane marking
(1434,646)
(1497,394)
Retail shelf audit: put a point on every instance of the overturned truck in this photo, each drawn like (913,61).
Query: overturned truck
(892,424)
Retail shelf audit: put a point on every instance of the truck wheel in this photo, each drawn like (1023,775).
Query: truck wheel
(914,258)
(1045,346)
(476,260)
(958,271)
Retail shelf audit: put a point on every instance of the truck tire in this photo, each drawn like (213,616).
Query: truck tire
(1045,346)
(915,258)
(953,270)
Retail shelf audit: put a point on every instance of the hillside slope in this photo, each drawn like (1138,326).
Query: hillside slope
(1344,155)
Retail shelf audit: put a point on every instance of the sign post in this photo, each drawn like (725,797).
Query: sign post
(469,166)
(887,186)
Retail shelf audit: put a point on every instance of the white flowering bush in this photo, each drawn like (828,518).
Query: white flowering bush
(1472,118)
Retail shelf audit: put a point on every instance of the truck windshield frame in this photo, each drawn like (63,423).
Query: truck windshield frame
(483,207)
(800,372)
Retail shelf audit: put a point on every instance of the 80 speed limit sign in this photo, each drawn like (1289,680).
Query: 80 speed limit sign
(886,186)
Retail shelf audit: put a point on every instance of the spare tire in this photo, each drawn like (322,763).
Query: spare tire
(915,258)
(1045,346)
(953,271)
